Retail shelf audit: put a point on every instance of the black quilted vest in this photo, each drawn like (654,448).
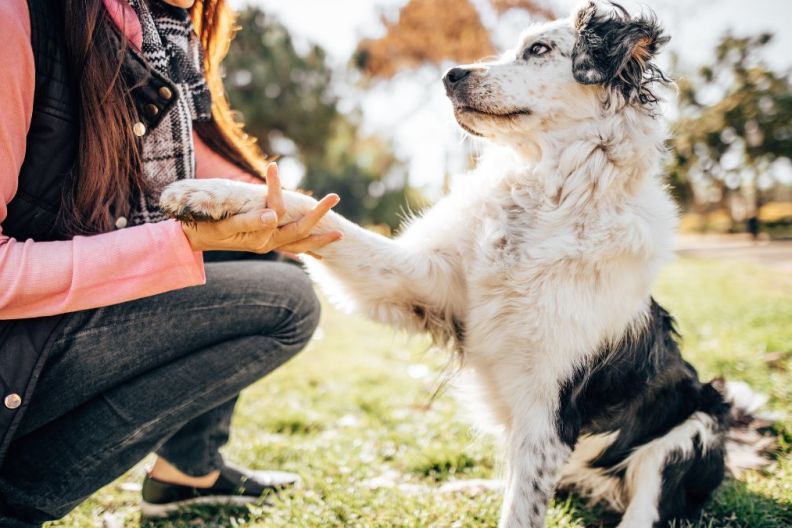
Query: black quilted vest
(54,130)
(50,159)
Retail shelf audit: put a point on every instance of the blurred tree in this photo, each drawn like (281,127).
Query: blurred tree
(532,6)
(279,91)
(426,31)
(287,101)
(366,174)
(734,127)
(434,31)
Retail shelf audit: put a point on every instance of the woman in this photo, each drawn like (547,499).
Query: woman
(115,339)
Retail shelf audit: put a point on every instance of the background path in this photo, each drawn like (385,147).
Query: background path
(776,254)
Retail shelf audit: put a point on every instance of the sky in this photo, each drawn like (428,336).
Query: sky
(412,111)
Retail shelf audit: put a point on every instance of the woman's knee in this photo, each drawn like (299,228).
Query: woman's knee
(303,302)
(288,290)
(270,299)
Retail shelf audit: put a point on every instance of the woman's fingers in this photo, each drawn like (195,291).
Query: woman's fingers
(274,191)
(311,243)
(315,215)
(260,242)
(258,230)
(249,222)
(251,231)
(302,228)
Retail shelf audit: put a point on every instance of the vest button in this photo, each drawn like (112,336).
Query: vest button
(151,110)
(13,401)
(139,129)
(121,222)
(166,93)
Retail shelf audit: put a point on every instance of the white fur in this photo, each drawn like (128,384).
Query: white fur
(545,251)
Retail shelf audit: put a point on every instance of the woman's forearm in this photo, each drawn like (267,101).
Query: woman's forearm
(47,278)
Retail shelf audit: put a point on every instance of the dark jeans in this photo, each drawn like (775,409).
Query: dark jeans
(158,374)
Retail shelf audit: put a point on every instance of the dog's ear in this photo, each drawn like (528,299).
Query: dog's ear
(616,49)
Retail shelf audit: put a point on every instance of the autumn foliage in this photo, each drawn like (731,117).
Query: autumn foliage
(532,6)
(433,31)
(426,31)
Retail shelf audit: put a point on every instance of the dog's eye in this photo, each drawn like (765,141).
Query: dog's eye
(536,49)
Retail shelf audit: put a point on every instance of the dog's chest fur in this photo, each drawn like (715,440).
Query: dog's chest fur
(540,294)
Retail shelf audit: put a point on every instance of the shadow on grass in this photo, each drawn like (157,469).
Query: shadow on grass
(732,506)
(201,517)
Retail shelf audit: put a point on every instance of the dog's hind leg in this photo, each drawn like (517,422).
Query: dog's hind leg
(643,508)
(672,476)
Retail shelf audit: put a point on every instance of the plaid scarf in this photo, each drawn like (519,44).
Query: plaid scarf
(171,47)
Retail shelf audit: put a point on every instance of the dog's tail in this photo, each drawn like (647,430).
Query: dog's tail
(747,444)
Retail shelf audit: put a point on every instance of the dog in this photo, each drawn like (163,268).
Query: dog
(537,271)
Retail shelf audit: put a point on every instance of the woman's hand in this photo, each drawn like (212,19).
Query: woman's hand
(257,231)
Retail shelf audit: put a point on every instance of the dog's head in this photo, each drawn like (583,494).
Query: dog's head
(566,70)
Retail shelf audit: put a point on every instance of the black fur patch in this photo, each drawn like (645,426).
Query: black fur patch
(445,329)
(191,217)
(688,483)
(616,50)
(642,388)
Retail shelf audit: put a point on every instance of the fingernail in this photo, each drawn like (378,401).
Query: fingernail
(269,217)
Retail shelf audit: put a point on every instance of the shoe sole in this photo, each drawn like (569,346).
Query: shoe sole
(164,510)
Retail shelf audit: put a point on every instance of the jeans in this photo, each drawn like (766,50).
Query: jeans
(157,374)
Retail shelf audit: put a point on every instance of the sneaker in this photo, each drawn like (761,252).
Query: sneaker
(234,487)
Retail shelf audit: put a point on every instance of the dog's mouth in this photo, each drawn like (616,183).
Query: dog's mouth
(461,109)
(469,130)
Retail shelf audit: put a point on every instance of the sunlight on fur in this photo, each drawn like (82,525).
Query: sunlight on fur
(537,270)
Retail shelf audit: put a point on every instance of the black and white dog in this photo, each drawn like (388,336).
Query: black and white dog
(537,269)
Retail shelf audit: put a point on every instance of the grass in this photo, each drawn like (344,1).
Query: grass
(351,414)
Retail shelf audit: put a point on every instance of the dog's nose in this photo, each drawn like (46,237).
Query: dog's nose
(454,75)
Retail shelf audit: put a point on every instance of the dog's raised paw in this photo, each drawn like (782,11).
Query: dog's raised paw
(203,200)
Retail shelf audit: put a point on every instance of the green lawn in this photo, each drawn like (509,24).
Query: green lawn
(353,416)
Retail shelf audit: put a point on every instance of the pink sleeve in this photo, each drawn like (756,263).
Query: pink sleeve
(46,278)
(210,164)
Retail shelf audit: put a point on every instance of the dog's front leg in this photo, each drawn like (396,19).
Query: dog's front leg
(411,283)
(415,285)
(535,456)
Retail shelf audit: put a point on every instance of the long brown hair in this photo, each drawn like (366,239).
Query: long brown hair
(108,168)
